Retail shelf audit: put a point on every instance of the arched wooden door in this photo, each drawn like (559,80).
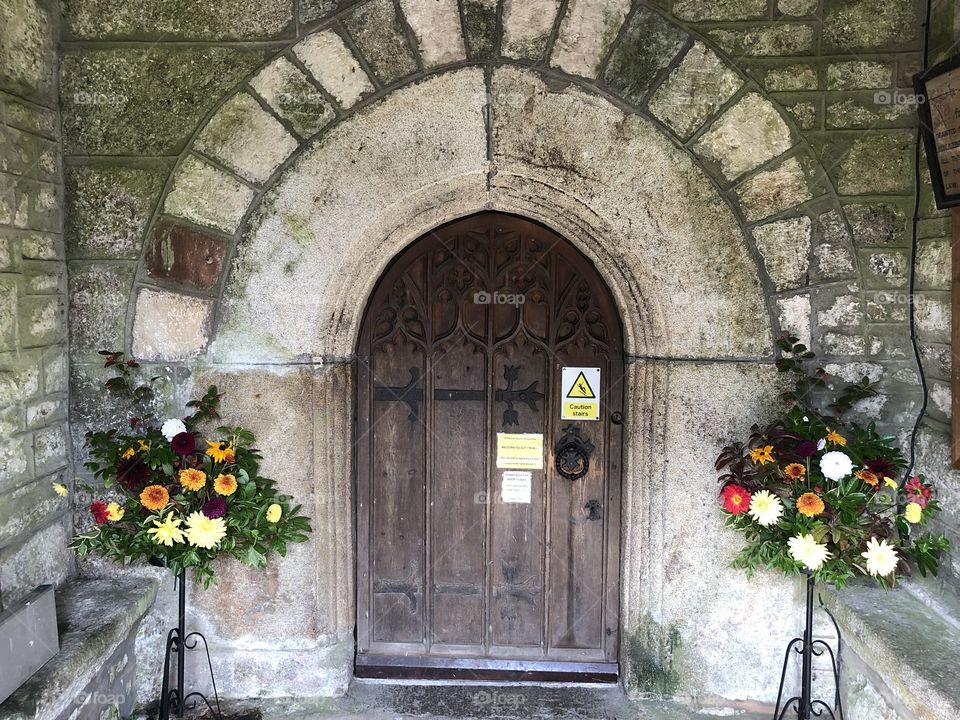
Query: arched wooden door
(474,561)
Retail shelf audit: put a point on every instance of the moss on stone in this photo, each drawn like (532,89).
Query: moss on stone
(378,32)
(650,652)
(27,43)
(98,306)
(767,41)
(700,10)
(875,163)
(480,27)
(850,25)
(132,101)
(647,47)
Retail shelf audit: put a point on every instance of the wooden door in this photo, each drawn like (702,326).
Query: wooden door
(465,337)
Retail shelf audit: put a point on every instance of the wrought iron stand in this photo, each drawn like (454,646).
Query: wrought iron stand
(173,701)
(804,704)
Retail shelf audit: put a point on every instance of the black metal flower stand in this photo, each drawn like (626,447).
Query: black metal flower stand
(805,706)
(173,701)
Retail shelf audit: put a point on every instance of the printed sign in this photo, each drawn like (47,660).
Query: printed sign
(515,486)
(580,398)
(523,451)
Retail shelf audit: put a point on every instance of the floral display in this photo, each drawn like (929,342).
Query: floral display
(167,495)
(813,493)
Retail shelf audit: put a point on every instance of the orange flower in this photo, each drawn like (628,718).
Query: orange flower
(193,479)
(870,478)
(761,456)
(795,471)
(836,438)
(810,505)
(225,484)
(154,497)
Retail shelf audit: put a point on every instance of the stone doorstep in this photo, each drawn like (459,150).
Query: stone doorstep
(913,649)
(94,618)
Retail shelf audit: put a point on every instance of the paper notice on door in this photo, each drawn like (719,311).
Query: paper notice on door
(515,486)
(520,451)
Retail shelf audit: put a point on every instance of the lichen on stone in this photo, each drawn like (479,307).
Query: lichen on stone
(379,33)
(648,45)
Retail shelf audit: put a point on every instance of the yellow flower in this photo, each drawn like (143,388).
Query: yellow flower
(144,445)
(154,497)
(225,484)
(166,532)
(795,471)
(60,489)
(114,512)
(913,512)
(762,455)
(836,438)
(274,512)
(810,505)
(220,451)
(193,479)
(890,483)
(205,532)
(128,453)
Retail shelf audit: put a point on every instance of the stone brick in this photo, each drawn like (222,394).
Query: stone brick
(207,196)
(803,112)
(694,91)
(38,205)
(783,39)
(859,74)
(330,61)
(40,246)
(55,371)
(99,295)
(745,136)
(869,110)
(648,45)
(29,117)
(245,138)
(793,316)
(527,27)
(436,25)
(933,264)
(313,10)
(884,268)
(877,163)
(841,345)
(27,34)
(788,78)
(379,34)
(28,508)
(851,25)
(480,27)
(108,208)
(774,190)
(785,248)
(932,313)
(879,223)
(180,254)
(45,412)
(293,97)
(8,313)
(43,278)
(586,32)
(169,326)
(16,448)
(45,558)
(700,10)
(797,8)
(832,251)
(27,155)
(50,449)
(42,320)
(133,101)
(836,310)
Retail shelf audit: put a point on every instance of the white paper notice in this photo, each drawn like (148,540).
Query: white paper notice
(516,485)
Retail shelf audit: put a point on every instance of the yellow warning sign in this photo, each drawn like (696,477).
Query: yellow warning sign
(580,399)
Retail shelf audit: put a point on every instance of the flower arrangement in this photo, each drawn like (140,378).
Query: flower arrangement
(175,497)
(812,493)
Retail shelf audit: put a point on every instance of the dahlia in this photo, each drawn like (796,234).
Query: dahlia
(765,508)
(795,471)
(808,552)
(215,508)
(881,557)
(835,465)
(172,427)
(205,532)
(274,512)
(114,512)
(917,491)
(913,513)
(183,443)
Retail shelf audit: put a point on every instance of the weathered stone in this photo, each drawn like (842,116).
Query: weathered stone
(207,196)
(108,208)
(933,264)
(8,313)
(793,315)
(877,163)
(131,101)
(937,359)
(45,412)
(838,311)
(797,8)
(851,25)
(98,307)
(28,155)
(246,138)
(55,371)
(50,448)
(783,39)
(773,191)
(334,66)
(885,268)
(42,321)
(932,313)
(804,113)
(313,10)
(877,223)
(700,10)
(169,326)
(436,25)
(29,117)
(785,248)
(142,19)
(293,97)
(791,77)
(859,74)
(586,33)
(44,558)
(480,27)
(648,45)
(39,246)
(745,136)
(180,254)
(27,39)
(832,343)
(379,34)
(940,401)
(28,508)
(864,111)
(694,91)
(527,27)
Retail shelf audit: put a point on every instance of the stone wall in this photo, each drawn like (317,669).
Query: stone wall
(35,524)
(237,176)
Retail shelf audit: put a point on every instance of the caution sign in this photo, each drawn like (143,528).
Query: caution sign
(580,397)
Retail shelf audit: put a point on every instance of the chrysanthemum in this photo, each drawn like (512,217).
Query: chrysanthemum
(225,484)
(868,476)
(172,427)
(166,531)
(913,513)
(114,512)
(205,532)
(762,455)
(808,552)
(795,471)
(59,488)
(835,465)
(765,508)
(810,505)
(193,479)
(805,448)
(220,451)
(836,438)
(154,497)
(736,499)
(881,557)
(184,443)
(274,512)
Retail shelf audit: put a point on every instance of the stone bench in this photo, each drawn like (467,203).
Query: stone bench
(901,657)
(92,675)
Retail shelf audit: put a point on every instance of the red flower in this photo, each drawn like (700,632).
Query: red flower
(736,499)
(917,491)
(99,510)
(184,443)
(133,474)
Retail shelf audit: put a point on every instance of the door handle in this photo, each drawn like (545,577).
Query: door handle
(572,454)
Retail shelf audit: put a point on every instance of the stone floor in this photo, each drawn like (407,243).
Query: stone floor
(396,701)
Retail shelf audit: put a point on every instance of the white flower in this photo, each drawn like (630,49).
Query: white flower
(172,427)
(835,465)
(765,508)
(808,552)
(881,557)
